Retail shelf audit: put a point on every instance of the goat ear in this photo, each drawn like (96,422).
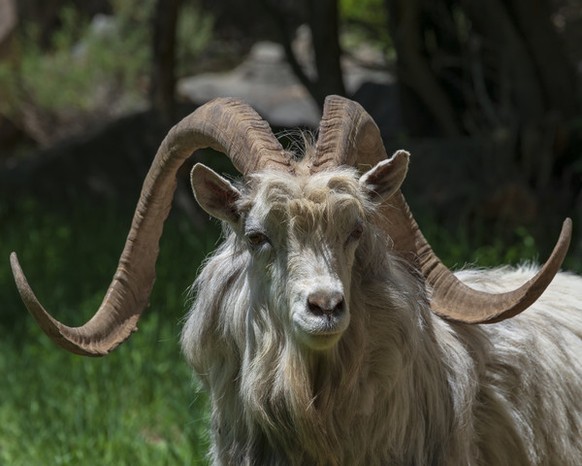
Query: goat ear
(215,194)
(384,179)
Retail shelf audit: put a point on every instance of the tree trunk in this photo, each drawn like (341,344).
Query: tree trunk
(164,58)
(556,74)
(324,25)
(510,58)
(323,21)
(414,70)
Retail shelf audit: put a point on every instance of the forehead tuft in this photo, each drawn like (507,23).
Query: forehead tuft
(319,197)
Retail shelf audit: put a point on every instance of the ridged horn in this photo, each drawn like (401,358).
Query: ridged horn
(455,301)
(349,136)
(226,125)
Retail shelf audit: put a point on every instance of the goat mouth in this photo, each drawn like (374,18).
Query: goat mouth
(320,331)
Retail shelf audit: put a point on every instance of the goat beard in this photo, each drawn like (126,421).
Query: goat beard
(288,391)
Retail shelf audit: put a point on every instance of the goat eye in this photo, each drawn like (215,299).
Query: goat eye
(356,233)
(256,239)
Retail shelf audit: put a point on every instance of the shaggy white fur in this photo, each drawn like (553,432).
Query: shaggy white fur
(383,381)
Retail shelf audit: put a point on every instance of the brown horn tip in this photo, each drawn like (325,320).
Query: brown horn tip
(457,302)
(78,340)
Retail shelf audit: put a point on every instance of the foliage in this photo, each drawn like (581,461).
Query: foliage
(461,247)
(486,245)
(193,36)
(82,77)
(365,21)
(91,71)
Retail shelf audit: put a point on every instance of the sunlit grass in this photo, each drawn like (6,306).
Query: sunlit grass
(139,405)
(135,407)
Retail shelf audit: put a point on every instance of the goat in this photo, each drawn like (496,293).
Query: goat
(327,331)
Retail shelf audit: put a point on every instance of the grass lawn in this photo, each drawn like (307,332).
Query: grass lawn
(139,405)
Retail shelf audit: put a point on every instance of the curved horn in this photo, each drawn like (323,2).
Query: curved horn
(455,301)
(349,136)
(226,125)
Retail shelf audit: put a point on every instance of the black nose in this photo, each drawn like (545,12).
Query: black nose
(325,302)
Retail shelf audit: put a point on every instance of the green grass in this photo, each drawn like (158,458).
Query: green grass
(135,407)
(139,405)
